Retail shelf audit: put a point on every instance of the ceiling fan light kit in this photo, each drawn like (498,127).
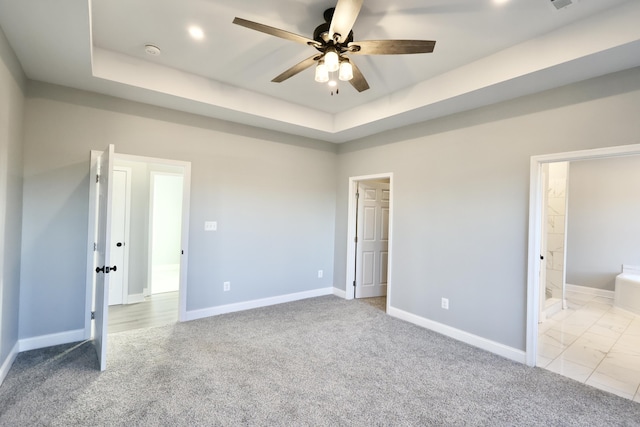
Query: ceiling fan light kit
(334,40)
(322,72)
(346,70)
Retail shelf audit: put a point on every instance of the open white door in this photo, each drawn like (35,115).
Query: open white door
(372,254)
(103,258)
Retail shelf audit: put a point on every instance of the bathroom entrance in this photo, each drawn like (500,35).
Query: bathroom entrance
(583,228)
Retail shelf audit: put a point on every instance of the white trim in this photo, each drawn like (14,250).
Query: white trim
(340,293)
(43,341)
(535,218)
(248,305)
(91,239)
(590,291)
(8,362)
(459,335)
(351,232)
(135,298)
(184,261)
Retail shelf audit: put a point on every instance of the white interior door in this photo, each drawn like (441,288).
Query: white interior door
(119,238)
(372,239)
(103,258)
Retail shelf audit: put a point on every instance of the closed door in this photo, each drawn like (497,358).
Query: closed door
(118,286)
(372,249)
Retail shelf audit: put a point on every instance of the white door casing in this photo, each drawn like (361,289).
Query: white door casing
(103,258)
(118,283)
(372,239)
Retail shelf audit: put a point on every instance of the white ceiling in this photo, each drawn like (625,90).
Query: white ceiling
(485,53)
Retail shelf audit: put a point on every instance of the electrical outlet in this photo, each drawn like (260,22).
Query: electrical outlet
(320,274)
(227,286)
(445,303)
(210,226)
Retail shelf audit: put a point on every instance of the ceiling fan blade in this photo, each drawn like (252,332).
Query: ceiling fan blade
(274,31)
(393,47)
(344,17)
(301,66)
(358,81)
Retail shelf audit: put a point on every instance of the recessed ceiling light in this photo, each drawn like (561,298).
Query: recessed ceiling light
(500,2)
(152,50)
(196,32)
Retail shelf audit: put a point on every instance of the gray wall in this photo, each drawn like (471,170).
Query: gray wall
(273,196)
(461,192)
(12,83)
(604,220)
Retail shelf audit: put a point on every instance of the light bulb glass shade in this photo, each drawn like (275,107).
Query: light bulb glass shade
(322,74)
(332,60)
(346,71)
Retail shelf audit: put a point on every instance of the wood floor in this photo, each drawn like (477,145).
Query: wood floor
(156,310)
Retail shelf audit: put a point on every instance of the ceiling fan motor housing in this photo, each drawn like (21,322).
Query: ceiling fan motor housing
(322,36)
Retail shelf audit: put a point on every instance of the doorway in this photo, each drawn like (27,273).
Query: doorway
(536,216)
(165,213)
(137,310)
(369,244)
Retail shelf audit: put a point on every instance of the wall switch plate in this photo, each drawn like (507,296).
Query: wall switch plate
(226,286)
(210,226)
(445,303)
(320,274)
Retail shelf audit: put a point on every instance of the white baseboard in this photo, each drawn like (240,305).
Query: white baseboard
(135,298)
(474,340)
(248,305)
(43,341)
(340,293)
(590,291)
(8,362)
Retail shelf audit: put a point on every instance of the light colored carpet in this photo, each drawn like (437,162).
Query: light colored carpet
(317,362)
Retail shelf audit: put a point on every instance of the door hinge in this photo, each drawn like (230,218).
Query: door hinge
(357,195)
(93,315)
(95,246)
(354,283)
(97,178)
(355,239)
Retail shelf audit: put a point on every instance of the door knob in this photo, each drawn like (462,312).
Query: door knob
(119,244)
(107,269)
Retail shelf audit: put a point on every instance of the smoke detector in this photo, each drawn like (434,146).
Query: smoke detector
(152,50)
(559,4)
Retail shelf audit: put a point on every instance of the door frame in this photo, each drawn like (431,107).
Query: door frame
(351,232)
(92,232)
(127,231)
(535,233)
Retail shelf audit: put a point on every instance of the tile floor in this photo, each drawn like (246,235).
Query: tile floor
(595,343)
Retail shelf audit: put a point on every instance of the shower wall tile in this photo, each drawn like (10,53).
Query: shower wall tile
(556,224)
(557,206)
(555,243)
(558,261)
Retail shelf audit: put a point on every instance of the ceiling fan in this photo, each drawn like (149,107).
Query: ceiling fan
(334,40)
